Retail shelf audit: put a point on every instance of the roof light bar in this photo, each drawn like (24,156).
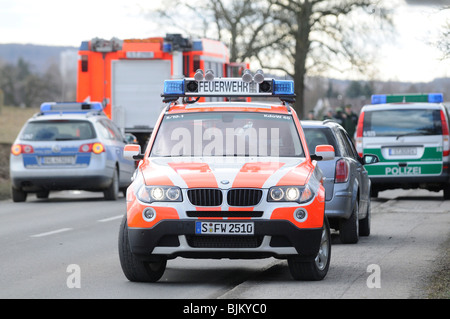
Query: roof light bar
(225,87)
(404,98)
(70,107)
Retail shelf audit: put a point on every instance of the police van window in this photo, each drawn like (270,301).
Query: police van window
(58,130)
(402,122)
(227,134)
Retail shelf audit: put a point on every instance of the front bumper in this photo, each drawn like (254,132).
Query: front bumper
(272,238)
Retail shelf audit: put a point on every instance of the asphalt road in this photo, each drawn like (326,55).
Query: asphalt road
(66,247)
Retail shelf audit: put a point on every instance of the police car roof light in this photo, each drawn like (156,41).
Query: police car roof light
(402,98)
(70,107)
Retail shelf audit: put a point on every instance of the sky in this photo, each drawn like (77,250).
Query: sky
(410,56)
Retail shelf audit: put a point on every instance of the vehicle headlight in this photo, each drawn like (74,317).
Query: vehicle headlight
(150,194)
(299,194)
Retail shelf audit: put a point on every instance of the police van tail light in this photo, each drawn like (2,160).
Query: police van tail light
(359,134)
(342,171)
(18,149)
(446,135)
(95,148)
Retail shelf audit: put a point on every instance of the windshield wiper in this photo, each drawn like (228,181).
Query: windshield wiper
(412,134)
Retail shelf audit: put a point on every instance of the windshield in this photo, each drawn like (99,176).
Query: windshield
(227,134)
(58,130)
(402,122)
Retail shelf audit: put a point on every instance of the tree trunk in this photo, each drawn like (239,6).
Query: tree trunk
(302,44)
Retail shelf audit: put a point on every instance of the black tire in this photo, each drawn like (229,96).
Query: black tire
(446,192)
(349,228)
(18,195)
(43,194)
(112,192)
(134,268)
(316,269)
(364,224)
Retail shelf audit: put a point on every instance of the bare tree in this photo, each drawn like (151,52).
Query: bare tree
(444,40)
(297,37)
(247,27)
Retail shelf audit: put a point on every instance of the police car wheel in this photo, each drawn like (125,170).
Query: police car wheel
(317,268)
(18,195)
(447,192)
(364,224)
(112,192)
(43,194)
(349,228)
(134,268)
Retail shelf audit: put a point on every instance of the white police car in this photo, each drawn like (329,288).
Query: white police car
(69,146)
(410,136)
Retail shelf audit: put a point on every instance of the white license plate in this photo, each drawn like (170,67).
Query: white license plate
(58,160)
(224,228)
(403,151)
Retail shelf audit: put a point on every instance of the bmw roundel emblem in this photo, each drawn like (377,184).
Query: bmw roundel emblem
(225,182)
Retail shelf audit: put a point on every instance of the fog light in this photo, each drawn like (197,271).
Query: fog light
(149,214)
(300,215)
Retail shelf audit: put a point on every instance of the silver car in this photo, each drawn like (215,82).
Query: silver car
(347,184)
(69,146)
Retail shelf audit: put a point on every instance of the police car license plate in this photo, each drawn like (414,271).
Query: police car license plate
(224,228)
(403,151)
(57,160)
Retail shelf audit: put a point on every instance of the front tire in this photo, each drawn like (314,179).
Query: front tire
(134,268)
(18,195)
(316,269)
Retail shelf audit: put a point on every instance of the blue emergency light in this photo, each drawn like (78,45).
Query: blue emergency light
(70,107)
(174,87)
(407,98)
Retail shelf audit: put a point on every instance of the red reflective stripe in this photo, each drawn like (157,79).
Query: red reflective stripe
(195,174)
(255,174)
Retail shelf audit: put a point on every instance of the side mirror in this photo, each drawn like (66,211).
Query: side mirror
(130,138)
(323,153)
(132,152)
(370,159)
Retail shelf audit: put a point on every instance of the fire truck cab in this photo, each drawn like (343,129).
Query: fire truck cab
(127,75)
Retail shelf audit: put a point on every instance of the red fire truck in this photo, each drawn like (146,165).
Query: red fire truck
(127,76)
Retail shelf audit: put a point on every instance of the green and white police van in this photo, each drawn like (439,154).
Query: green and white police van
(410,136)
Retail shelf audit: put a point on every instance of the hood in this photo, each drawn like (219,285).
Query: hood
(226,172)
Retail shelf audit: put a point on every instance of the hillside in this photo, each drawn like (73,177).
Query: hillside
(38,56)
